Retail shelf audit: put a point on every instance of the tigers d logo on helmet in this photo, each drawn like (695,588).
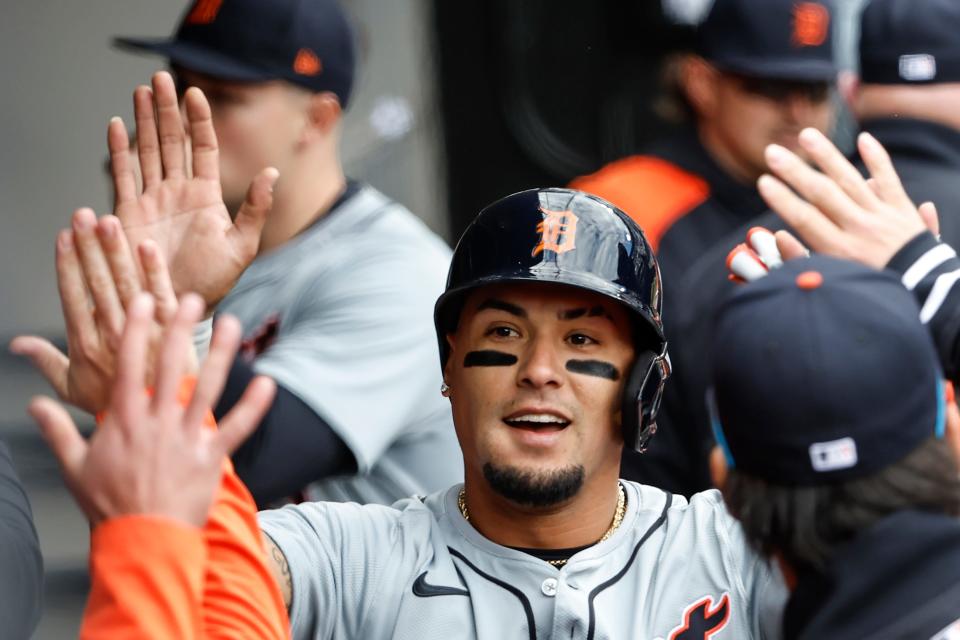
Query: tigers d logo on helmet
(558,232)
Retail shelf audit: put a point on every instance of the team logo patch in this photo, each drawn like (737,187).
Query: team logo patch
(811,24)
(204,12)
(703,619)
(558,232)
(307,63)
(260,340)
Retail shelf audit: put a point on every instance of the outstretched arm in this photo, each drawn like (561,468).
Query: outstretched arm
(21,565)
(873,221)
(182,210)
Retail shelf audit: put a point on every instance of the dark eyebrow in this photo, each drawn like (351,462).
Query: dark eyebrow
(595,312)
(502,305)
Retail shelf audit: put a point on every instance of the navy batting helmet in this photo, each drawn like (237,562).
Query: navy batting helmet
(572,238)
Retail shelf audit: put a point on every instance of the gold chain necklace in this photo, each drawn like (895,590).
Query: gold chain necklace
(617,517)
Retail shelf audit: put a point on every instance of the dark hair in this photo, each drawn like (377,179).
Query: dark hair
(806,524)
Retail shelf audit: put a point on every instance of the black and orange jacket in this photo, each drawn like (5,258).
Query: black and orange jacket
(685,203)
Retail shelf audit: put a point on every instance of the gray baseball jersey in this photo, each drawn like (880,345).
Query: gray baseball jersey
(673,570)
(342,316)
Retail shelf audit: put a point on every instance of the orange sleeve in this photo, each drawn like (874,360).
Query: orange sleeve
(241,597)
(221,585)
(654,192)
(146,577)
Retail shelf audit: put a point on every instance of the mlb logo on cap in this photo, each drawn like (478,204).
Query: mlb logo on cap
(830,456)
(921,67)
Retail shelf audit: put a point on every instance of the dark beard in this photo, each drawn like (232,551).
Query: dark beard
(530,489)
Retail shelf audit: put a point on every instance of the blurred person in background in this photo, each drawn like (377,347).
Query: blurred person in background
(338,281)
(904,99)
(21,565)
(761,71)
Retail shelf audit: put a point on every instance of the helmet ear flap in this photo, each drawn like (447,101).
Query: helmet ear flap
(641,398)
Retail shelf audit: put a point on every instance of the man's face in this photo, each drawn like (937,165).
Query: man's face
(536,373)
(747,114)
(258,125)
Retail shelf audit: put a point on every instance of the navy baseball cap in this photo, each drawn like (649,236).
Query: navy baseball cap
(910,42)
(309,43)
(823,372)
(774,39)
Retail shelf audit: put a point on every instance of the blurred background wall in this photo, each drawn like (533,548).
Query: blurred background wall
(459,102)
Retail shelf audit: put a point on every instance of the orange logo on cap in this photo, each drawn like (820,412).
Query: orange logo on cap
(307,63)
(811,24)
(558,232)
(204,12)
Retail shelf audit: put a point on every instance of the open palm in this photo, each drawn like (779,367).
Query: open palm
(181,205)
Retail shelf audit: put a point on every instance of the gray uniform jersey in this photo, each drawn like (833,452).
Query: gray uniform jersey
(672,570)
(342,316)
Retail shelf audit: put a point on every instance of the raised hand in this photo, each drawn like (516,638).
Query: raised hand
(153,455)
(94,263)
(838,212)
(182,209)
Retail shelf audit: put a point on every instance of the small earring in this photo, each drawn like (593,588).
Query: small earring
(445,390)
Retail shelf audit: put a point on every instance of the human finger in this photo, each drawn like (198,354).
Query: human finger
(158,280)
(96,272)
(61,434)
(249,221)
(148,143)
(169,126)
(243,419)
(816,188)
(835,166)
(213,374)
(203,137)
(121,168)
(816,229)
(127,397)
(928,213)
(878,163)
(174,354)
(74,300)
(113,242)
(790,248)
(52,363)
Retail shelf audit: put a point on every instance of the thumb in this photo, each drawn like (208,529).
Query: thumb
(928,212)
(245,233)
(61,434)
(47,359)
(245,416)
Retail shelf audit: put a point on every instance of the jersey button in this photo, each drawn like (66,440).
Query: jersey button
(549,587)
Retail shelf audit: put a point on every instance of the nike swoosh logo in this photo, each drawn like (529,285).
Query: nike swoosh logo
(424,589)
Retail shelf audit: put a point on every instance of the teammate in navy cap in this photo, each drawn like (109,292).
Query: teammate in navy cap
(906,96)
(838,455)
(338,281)
(760,71)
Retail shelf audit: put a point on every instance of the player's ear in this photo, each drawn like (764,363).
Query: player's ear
(451,339)
(323,114)
(848,86)
(718,468)
(698,81)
